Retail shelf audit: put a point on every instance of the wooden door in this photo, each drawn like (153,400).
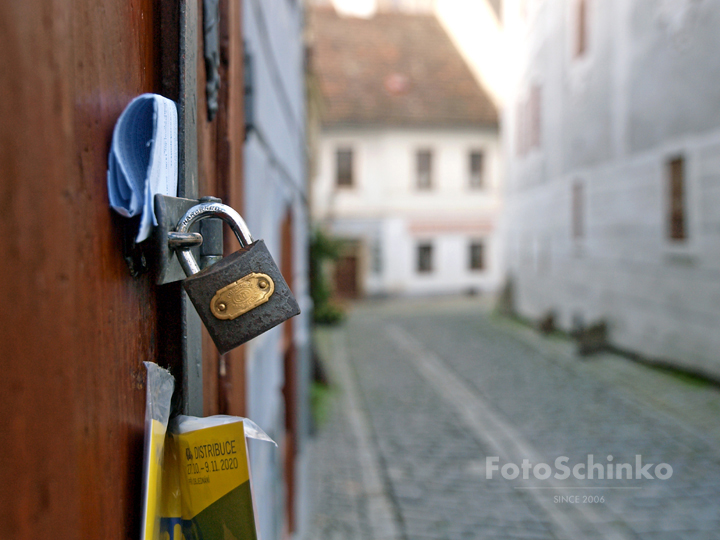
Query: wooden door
(346,277)
(290,383)
(220,174)
(76,326)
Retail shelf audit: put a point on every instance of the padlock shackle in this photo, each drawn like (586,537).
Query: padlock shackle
(210,210)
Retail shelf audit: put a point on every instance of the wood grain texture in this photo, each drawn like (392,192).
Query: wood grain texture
(207,184)
(220,145)
(290,372)
(75,326)
(231,175)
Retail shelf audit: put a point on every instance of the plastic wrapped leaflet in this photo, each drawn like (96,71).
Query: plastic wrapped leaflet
(158,394)
(207,489)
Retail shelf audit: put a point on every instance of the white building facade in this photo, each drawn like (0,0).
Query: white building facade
(414,239)
(276,210)
(413,190)
(613,171)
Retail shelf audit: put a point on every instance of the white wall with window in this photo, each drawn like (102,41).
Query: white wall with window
(435,190)
(613,175)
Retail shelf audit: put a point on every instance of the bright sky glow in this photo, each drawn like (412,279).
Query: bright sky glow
(474,28)
(357,8)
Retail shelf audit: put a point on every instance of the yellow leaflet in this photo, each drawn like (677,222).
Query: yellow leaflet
(153,481)
(211,463)
(170,502)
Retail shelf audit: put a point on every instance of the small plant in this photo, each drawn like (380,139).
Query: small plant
(329,313)
(323,249)
(321,403)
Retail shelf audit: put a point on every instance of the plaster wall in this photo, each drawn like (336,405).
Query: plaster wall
(645,92)
(275,186)
(390,216)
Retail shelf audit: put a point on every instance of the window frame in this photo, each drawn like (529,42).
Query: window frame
(481,183)
(581,34)
(419,179)
(477,243)
(578,210)
(420,266)
(341,180)
(529,120)
(676,201)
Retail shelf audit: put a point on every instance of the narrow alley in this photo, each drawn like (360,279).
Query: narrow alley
(426,393)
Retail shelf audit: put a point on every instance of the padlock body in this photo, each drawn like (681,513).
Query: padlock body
(203,287)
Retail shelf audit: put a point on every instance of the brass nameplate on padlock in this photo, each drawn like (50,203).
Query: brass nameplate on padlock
(241,296)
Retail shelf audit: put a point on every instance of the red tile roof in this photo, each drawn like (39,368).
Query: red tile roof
(393,69)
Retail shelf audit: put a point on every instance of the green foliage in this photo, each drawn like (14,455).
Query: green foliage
(686,377)
(329,313)
(323,249)
(321,402)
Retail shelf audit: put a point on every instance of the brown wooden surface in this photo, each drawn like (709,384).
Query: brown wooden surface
(220,153)
(289,390)
(75,326)
(346,277)
(208,185)
(231,141)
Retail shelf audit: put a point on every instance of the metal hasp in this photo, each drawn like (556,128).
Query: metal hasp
(206,246)
(179,332)
(186,240)
(200,212)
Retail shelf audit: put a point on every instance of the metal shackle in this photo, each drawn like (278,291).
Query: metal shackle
(208,210)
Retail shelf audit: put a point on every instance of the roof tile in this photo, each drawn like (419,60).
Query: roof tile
(393,69)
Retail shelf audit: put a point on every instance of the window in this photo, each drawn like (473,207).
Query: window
(344,167)
(677,224)
(577,211)
(424,169)
(476,169)
(520,128)
(377,260)
(529,121)
(477,255)
(581,30)
(424,257)
(534,117)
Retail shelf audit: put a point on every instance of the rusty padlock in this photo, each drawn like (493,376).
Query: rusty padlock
(242,295)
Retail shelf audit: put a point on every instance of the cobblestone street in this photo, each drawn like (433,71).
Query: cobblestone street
(425,391)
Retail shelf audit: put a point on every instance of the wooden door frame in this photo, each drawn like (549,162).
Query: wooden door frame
(290,383)
(210,163)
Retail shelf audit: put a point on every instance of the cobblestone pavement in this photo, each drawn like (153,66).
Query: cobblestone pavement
(427,390)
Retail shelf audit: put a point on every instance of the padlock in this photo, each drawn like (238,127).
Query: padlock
(241,296)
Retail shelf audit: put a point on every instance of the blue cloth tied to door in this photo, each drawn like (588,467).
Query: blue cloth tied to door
(143,158)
